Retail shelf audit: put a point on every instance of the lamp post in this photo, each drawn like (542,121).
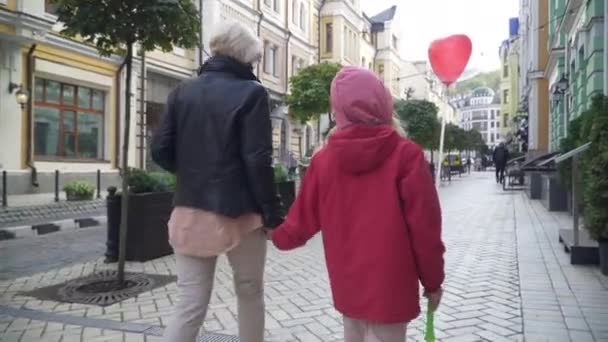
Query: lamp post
(21,94)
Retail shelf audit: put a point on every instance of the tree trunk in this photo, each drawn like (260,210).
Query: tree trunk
(122,240)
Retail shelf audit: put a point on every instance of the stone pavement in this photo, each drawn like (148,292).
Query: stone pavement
(507,278)
(44,213)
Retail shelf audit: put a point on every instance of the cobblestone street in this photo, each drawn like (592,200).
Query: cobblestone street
(507,278)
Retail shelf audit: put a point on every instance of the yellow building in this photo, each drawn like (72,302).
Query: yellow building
(71,119)
(509,86)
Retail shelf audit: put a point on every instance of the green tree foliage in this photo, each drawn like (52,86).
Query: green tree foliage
(111,25)
(420,119)
(310,88)
(115,26)
(486,79)
(595,170)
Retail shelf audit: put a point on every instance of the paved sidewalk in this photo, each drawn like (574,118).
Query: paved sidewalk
(507,277)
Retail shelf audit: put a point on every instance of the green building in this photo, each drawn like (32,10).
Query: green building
(575,69)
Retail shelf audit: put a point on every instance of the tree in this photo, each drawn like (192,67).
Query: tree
(310,88)
(421,124)
(115,26)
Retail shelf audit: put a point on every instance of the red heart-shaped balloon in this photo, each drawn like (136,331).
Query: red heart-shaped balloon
(449,57)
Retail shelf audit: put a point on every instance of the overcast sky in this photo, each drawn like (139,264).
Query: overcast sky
(486,22)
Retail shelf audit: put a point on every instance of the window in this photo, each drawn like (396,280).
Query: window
(492,124)
(492,137)
(68,121)
(505,71)
(303,17)
(294,11)
(493,115)
(395,42)
(268,3)
(497,113)
(329,37)
(276,5)
(506,120)
(505,96)
(270,59)
(294,65)
(50,7)
(497,124)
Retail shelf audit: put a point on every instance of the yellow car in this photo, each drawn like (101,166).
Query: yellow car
(455,163)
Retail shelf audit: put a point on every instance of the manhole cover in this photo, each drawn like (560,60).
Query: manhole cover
(101,288)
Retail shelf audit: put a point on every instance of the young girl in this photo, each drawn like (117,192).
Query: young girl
(371,193)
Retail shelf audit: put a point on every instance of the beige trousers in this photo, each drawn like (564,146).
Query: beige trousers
(363,331)
(195,281)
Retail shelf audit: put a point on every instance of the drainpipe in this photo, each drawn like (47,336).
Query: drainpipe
(287,62)
(29,160)
(202,42)
(117,110)
(142,109)
(260,18)
(606,47)
(319,30)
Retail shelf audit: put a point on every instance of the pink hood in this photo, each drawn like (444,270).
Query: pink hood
(358,96)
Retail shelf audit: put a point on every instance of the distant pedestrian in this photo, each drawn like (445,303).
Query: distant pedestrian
(469,165)
(216,136)
(484,162)
(500,158)
(371,193)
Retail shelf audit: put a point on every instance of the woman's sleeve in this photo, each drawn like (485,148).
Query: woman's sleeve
(164,140)
(422,213)
(256,150)
(302,221)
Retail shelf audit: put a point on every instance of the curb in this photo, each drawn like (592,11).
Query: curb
(25,231)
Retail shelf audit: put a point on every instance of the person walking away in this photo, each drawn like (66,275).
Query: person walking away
(371,193)
(216,136)
(500,158)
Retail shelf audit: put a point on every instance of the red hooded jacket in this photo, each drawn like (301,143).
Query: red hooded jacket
(371,193)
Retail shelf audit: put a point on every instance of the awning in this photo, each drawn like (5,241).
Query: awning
(572,153)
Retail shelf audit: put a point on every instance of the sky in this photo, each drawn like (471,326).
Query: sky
(486,22)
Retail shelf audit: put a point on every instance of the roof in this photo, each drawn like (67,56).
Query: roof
(483,92)
(384,16)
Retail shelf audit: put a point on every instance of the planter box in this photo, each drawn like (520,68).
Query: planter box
(75,198)
(553,195)
(147,231)
(603,246)
(534,188)
(287,191)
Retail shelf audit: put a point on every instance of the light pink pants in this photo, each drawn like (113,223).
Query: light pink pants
(363,331)
(195,281)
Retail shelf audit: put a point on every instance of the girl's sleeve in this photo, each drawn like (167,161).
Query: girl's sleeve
(302,221)
(422,213)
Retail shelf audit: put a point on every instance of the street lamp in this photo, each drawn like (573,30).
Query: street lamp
(21,94)
(563,84)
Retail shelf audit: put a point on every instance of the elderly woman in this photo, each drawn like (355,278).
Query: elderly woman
(216,136)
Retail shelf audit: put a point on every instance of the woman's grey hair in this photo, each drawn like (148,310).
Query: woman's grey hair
(235,40)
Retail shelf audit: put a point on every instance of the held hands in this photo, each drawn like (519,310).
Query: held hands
(434,299)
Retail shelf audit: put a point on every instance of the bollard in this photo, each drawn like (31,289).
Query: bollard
(4,190)
(98,184)
(56,185)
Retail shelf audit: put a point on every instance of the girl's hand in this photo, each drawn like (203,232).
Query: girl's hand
(434,299)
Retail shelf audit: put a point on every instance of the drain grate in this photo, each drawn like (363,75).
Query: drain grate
(101,288)
(218,338)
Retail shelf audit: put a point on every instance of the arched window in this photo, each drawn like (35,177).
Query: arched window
(303,16)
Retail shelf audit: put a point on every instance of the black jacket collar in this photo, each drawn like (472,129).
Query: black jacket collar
(229,65)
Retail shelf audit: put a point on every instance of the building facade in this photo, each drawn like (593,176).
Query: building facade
(480,111)
(73,113)
(533,85)
(509,82)
(577,64)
